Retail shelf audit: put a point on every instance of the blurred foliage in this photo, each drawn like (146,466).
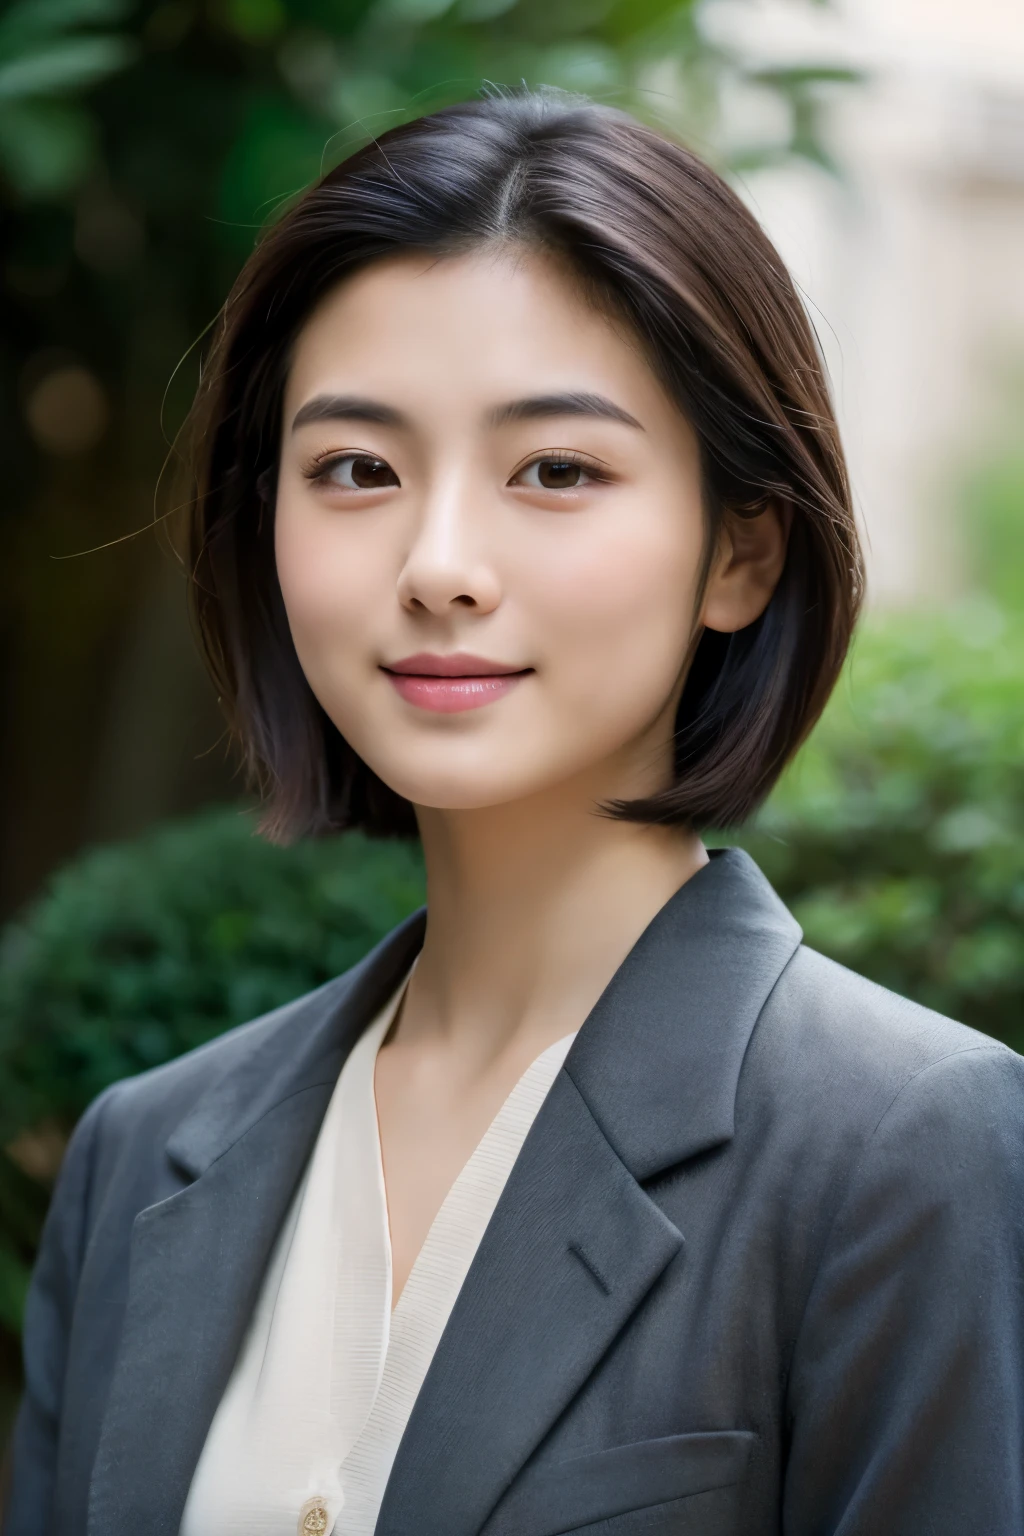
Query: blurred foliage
(46,144)
(213,111)
(897,837)
(140,951)
(997,537)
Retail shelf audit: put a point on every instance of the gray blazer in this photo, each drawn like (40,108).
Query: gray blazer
(759,1267)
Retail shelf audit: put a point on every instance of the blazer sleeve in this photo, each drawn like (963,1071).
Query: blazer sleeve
(906,1393)
(32,1455)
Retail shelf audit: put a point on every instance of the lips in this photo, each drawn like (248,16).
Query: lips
(450,684)
(458,664)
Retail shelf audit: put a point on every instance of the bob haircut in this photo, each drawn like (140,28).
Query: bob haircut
(658,240)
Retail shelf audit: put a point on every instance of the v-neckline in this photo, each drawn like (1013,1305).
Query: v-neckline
(505,1118)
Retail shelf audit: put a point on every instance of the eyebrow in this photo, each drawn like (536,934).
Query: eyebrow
(571,404)
(347,408)
(533,408)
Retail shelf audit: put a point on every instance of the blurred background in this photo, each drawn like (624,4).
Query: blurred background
(143,143)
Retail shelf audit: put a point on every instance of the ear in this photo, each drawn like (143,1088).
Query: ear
(748,563)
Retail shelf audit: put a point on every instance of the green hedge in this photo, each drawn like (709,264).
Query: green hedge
(139,952)
(897,838)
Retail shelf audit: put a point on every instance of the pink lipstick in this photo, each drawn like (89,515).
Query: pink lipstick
(449,684)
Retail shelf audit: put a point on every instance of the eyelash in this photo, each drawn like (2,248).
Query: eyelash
(320,469)
(568,456)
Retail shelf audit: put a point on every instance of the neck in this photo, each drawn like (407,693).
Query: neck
(531,909)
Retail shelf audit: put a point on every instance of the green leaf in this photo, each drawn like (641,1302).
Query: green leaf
(33,20)
(797,76)
(412,10)
(63,66)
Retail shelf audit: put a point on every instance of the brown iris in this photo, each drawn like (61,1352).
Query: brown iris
(558,474)
(370,474)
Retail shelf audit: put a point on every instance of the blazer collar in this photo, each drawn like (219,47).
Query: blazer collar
(304,1047)
(658,1060)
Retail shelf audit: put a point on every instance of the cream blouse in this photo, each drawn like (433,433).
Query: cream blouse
(327,1375)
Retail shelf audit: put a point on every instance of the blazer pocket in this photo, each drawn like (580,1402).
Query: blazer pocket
(562,1496)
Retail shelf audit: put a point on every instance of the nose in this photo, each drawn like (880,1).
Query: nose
(446,568)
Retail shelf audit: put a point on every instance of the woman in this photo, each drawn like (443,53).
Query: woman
(592,1201)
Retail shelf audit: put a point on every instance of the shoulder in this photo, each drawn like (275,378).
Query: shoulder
(823,1011)
(170,1090)
(243,1074)
(123,1133)
(854,1061)
(907,1330)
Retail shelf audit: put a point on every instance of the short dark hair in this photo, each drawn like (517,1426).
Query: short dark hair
(658,237)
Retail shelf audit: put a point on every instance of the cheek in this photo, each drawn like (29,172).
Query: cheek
(621,605)
(329,583)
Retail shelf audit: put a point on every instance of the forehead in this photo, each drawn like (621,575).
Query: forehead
(487,324)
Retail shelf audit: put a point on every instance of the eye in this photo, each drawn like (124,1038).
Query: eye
(355,472)
(558,472)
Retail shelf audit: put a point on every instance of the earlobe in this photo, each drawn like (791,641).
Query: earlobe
(747,567)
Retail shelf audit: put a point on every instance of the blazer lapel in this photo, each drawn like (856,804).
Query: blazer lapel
(571,1251)
(198,1257)
(575,1243)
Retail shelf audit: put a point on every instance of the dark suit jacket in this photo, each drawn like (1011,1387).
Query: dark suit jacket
(759,1267)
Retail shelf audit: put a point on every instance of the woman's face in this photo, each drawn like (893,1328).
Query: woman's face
(489,533)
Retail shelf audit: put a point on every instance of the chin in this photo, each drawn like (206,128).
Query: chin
(449,795)
(468,787)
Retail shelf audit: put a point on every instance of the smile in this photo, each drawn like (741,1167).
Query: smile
(449,684)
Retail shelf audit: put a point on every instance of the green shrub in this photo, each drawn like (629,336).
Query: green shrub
(897,837)
(139,952)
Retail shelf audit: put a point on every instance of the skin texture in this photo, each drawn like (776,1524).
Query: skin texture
(569,545)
